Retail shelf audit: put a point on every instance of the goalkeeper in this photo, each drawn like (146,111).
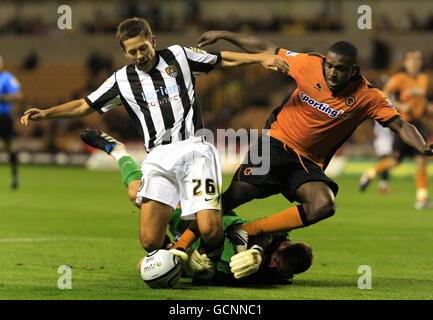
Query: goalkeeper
(269,258)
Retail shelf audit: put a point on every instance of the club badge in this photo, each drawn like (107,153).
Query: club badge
(350,101)
(171,71)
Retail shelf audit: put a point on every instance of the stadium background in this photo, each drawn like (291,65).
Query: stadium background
(55,66)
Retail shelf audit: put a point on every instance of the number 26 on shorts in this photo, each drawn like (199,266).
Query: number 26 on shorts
(209,187)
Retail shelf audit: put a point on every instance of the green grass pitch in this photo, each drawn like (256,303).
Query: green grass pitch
(71,216)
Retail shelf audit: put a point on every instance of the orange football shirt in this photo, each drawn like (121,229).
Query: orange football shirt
(412,91)
(313,120)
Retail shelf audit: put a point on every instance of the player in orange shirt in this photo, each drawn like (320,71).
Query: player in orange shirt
(409,89)
(330,100)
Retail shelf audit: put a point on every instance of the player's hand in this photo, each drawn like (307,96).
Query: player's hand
(208,38)
(246,263)
(200,266)
(32,114)
(275,63)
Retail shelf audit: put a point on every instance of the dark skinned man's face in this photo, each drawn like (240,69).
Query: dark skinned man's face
(338,70)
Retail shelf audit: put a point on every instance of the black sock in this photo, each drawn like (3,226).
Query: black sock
(384,175)
(13,159)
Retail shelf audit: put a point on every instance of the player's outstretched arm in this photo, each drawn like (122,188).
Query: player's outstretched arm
(247,43)
(410,135)
(269,61)
(72,109)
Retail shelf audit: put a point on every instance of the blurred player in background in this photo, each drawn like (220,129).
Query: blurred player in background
(408,90)
(10,93)
(383,147)
(271,258)
(158,91)
(330,100)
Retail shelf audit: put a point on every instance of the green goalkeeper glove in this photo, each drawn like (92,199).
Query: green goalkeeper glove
(200,266)
(247,262)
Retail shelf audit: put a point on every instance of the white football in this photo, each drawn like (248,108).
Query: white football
(161,269)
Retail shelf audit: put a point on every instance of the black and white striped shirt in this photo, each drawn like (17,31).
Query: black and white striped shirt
(162,103)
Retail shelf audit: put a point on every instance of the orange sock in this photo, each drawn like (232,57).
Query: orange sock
(384,164)
(188,237)
(421,178)
(286,220)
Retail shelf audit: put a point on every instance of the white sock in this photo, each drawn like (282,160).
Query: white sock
(371,173)
(118,152)
(421,194)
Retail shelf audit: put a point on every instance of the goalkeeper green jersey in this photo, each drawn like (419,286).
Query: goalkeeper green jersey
(224,276)
(228,220)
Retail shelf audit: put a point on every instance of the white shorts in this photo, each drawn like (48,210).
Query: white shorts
(188,172)
(384,140)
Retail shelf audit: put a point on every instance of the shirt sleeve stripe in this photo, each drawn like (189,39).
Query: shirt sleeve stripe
(387,122)
(103,94)
(200,66)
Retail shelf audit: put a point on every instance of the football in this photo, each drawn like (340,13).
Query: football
(160,269)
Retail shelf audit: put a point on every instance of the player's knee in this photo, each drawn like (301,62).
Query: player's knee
(212,234)
(325,208)
(321,209)
(150,243)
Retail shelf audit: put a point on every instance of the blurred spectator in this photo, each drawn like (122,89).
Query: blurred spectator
(97,62)
(384,23)
(147,9)
(410,22)
(133,8)
(191,12)
(31,61)
(381,55)
(429,23)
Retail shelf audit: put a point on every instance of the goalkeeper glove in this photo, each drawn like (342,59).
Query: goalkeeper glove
(238,238)
(247,262)
(200,266)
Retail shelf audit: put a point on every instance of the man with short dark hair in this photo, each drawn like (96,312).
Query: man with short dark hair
(158,91)
(330,100)
(10,92)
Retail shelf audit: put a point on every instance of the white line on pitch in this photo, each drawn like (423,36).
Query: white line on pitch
(9,240)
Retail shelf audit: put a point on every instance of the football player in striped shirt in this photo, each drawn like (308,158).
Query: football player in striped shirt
(158,91)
